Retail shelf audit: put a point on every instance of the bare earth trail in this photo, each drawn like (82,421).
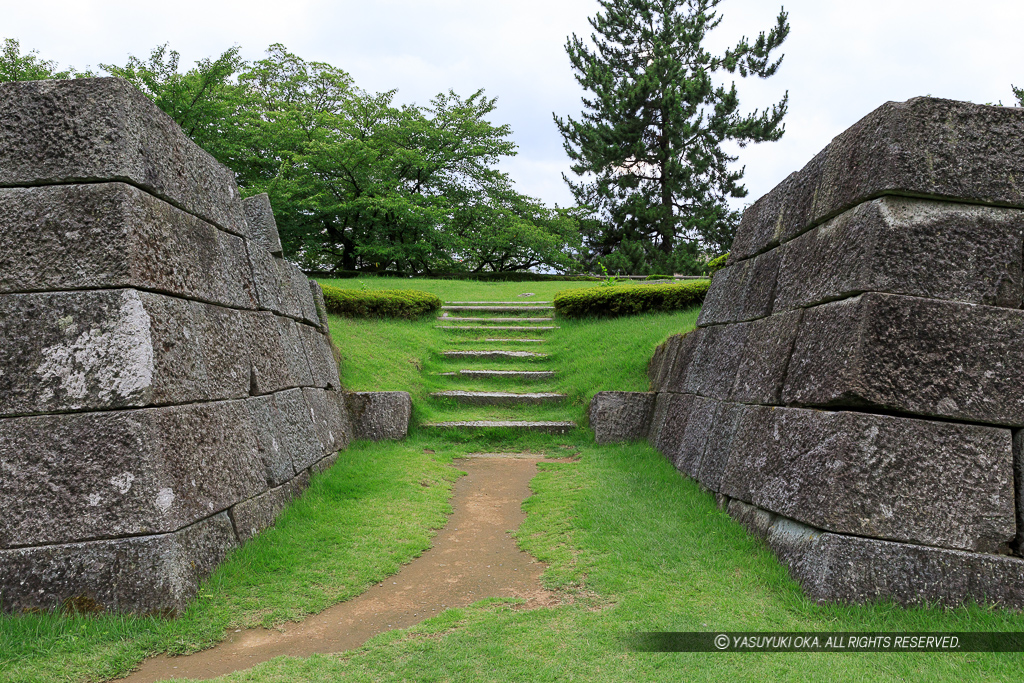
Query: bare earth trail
(471,558)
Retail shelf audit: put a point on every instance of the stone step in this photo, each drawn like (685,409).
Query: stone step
(521,341)
(493,355)
(495,320)
(497,327)
(498,303)
(494,374)
(498,309)
(547,427)
(498,398)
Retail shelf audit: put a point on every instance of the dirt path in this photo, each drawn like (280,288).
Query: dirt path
(473,557)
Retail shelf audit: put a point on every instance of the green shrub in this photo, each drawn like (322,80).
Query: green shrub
(630,299)
(382,303)
(660,277)
(717,264)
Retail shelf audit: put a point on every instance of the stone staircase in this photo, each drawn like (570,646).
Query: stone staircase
(522,323)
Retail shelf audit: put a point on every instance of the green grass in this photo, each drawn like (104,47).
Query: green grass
(356,524)
(631,545)
(638,548)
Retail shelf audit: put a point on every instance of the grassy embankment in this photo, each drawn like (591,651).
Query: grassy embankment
(631,546)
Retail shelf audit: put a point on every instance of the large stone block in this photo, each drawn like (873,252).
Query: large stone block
(923,147)
(725,424)
(743,291)
(937,250)
(296,356)
(762,367)
(678,369)
(933,483)
(276,458)
(319,356)
(259,513)
(82,476)
(716,360)
(118,348)
(103,129)
(696,435)
(668,423)
(293,430)
(291,303)
(379,415)
(107,235)
(262,226)
(331,421)
(268,362)
(848,569)
(156,574)
(266,278)
(617,416)
(320,304)
(660,364)
(912,355)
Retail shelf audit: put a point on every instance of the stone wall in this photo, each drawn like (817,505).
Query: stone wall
(854,390)
(167,383)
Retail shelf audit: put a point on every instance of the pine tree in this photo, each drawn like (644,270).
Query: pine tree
(648,145)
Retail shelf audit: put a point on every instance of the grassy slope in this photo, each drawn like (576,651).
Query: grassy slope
(636,545)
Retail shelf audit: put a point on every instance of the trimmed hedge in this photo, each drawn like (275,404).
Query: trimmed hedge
(380,303)
(505,276)
(717,264)
(630,300)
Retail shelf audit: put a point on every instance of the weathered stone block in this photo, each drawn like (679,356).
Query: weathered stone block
(266,278)
(762,367)
(324,464)
(262,227)
(848,569)
(918,356)
(290,301)
(331,421)
(695,437)
(320,357)
(716,360)
(107,235)
(710,469)
(922,147)
(679,369)
(127,472)
(294,430)
(743,291)
(756,521)
(220,333)
(268,366)
(379,415)
(276,458)
(320,304)
(259,513)
(660,367)
(864,474)
(668,423)
(617,416)
(102,129)
(295,353)
(1018,478)
(144,574)
(937,250)
(91,350)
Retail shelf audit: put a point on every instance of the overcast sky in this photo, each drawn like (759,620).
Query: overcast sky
(843,58)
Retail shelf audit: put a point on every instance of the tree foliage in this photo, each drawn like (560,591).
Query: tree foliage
(15,66)
(648,147)
(357,180)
